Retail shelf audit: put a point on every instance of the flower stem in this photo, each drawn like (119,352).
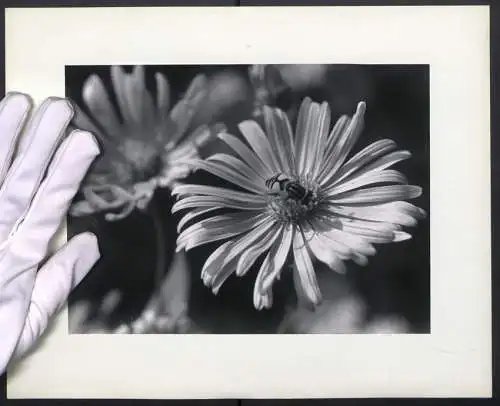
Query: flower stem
(160,244)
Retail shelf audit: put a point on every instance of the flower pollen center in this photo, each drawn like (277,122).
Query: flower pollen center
(292,200)
(144,158)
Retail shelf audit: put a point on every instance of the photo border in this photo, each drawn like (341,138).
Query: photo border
(494,45)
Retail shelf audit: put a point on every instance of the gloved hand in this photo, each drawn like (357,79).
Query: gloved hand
(41,168)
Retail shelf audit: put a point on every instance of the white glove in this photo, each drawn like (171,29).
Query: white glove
(41,168)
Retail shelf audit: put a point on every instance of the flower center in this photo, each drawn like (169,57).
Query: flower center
(291,200)
(144,158)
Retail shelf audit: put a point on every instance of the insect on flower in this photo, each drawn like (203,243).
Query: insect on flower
(291,189)
(291,192)
(305,199)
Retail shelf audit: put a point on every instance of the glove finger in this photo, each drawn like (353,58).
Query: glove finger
(14,110)
(36,147)
(30,244)
(21,255)
(53,284)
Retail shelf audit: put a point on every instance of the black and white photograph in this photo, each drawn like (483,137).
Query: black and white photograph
(254,199)
(294,203)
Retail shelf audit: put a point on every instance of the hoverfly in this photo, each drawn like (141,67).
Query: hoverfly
(280,184)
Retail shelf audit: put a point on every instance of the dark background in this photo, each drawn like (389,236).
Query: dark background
(396,280)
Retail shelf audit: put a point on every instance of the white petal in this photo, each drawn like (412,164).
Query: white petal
(217,202)
(213,262)
(249,256)
(316,139)
(133,97)
(379,194)
(226,173)
(306,120)
(378,165)
(223,221)
(347,138)
(370,153)
(300,130)
(145,104)
(248,155)
(333,138)
(354,242)
(262,298)
(98,102)
(239,166)
(304,269)
(118,78)
(226,269)
(324,250)
(280,134)
(400,212)
(401,236)
(374,232)
(386,176)
(186,189)
(218,228)
(338,131)
(274,139)
(162,94)
(310,137)
(246,242)
(82,121)
(260,144)
(275,260)
(359,259)
(191,215)
(319,144)
(198,85)
(319,231)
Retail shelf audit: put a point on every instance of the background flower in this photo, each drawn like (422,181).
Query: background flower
(146,141)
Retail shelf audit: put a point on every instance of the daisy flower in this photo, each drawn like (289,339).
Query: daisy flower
(304,198)
(146,141)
